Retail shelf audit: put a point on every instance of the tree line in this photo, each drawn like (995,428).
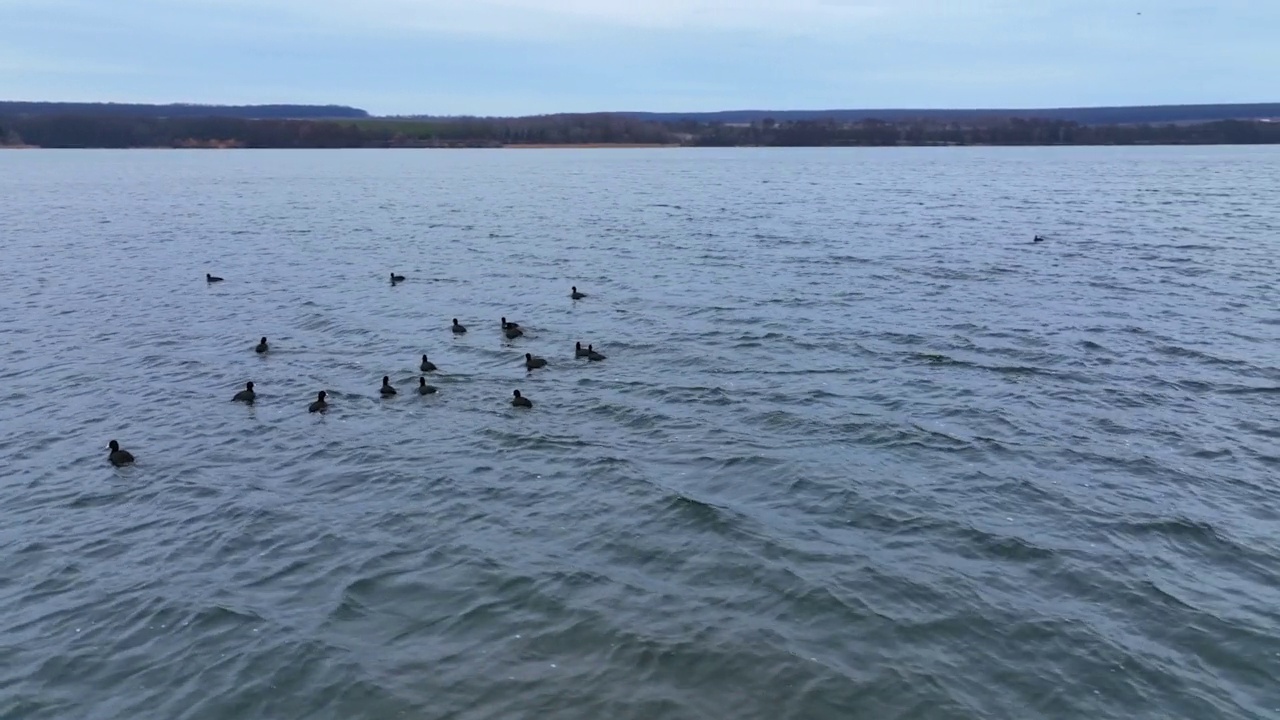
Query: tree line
(97,131)
(1014,131)
(1121,115)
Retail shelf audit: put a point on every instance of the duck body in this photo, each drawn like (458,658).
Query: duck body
(247,395)
(518,400)
(458,329)
(320,405)
(427,365)
(117,456)
(579,351)
(211,278)
(593,355)
(261,347)
(513,332)
(424,388)
(396,278)
(575,294)
(387,390)
(532,363)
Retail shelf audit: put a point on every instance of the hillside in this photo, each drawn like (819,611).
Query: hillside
(1127,115)
(180,110)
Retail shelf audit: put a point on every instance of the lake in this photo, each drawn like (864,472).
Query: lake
(860,448)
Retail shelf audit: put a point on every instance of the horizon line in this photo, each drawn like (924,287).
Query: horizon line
(846,109)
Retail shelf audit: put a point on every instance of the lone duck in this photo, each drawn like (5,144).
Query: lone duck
(575,294)
(531,362)
(208,278)
(319,405)
(1037,238)
(519,400)
(593,355)
(387,390)
(396,278)
(424,388)
(117,456)
(427,365)
(262,346)
(247,395)
(579,351)
(458,329)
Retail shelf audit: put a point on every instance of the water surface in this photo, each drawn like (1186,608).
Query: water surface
(860,449)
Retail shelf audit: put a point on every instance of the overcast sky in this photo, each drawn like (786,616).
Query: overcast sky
(537,56)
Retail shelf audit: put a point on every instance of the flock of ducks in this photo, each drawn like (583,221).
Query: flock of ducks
(510,330)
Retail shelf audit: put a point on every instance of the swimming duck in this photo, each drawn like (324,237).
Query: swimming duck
(531,362)
(519,400)
(579,351)
(424,388)
(396,278)
(575,294)
(1037,238)
(319,405)
(262,346)
(458,329)
(387,390)
(593,355)
(246,395)
(508,325)
(210,278)
(513,332)
(427,365)
(117,456)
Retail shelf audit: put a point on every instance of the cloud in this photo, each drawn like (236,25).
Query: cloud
(535,20)
(42,64)
(524,56)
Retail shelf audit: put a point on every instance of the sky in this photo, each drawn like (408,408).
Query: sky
(517,57)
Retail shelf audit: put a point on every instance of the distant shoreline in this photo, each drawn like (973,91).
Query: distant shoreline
(622,131)
(231,146)
(649,146)
(593,146)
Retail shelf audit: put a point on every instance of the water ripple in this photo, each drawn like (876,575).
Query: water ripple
(860,449)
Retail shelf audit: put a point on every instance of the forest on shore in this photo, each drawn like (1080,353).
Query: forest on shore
(190,129)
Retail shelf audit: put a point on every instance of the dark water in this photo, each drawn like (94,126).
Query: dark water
(860,449)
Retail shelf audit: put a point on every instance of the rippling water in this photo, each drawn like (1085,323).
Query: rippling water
(860,448)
